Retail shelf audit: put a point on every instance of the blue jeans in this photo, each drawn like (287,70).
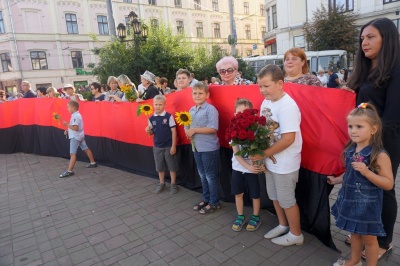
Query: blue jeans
(207,166)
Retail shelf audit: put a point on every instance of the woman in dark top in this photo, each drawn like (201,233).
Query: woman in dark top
(376,79)
(95,89)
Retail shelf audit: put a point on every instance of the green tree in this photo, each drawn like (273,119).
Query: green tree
(332,29)
(163,54)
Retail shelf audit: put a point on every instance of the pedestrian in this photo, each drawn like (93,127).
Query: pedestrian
(76,135)
(162,126)
(69,90)
(358,206)
(245,175)
(283,118)
(183,79)
(150,91)
(114,94)
(95,89)
(333,80)
(26,88)
(322,78)
(203,132)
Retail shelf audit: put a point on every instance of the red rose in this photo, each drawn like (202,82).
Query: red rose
(239,115)
(247,112)
(255,111)
(250,135)
(233,134)
(242,134)
(244,124)
(251,119)
(262,120)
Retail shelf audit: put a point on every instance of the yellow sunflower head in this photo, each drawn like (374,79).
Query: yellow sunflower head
(147,109)
(125,88)
(183,118)
(56,116)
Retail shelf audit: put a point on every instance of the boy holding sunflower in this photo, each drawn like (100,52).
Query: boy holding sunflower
(162,126)
(203,134)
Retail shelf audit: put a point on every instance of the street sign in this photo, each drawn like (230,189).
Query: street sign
(254,46)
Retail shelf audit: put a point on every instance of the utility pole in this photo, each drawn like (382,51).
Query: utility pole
(111,23)
(233,30)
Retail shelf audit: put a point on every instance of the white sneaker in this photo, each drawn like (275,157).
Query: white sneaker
(277,231)
(288,240)
(342,262)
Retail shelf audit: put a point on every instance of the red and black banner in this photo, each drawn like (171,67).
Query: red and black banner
(116,136)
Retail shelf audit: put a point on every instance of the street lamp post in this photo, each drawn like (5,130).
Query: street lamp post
(139,33)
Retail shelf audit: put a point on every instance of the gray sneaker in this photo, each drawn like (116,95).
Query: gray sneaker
(174,188)
(160,187)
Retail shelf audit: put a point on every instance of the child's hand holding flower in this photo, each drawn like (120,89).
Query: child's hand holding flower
(360,167)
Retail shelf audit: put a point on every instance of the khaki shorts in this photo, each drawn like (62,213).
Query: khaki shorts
(281,187)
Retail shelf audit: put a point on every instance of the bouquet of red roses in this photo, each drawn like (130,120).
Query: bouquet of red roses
(248,130)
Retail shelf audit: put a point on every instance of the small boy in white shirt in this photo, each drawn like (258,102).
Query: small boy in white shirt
(76,138)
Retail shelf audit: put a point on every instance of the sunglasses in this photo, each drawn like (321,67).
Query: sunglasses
(224,71)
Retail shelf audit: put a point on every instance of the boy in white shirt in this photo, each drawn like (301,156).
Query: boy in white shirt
(76,138)
(283,117)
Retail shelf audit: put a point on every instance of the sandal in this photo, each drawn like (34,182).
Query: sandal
(380,256)
(209,209)
(347,241)
(200,205)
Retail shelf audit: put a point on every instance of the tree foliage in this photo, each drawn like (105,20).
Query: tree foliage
(332,29)
(163,54)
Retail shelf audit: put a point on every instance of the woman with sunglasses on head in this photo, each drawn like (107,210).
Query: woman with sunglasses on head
(227,68)
(296,68)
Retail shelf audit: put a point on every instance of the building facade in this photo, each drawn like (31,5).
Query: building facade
(285,19)
(50,42)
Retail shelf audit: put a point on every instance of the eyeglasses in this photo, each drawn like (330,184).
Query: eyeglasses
(224,71)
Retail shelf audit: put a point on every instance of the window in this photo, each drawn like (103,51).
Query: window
(197,4)
(268,19)
(127,25)
(347,5)
(39,60)
(263,31)
(273,49)
(72,24)
(2,28)
(77,60)
(178,3)
(153,2)
(103,25)
(299,41)
(397,24)
(179,26)
(249,52)
(128,1)
(154,23)
(274,18)
(217,30)
(248,31)
(246,8)
(262,10)
(215,5)
(6,62)
(199,29)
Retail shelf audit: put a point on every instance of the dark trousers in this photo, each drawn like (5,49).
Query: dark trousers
(389,206)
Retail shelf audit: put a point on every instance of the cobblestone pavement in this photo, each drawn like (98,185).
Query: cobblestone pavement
(105,216)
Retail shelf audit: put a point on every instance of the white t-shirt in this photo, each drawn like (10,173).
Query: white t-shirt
(76,120)
(141,88)
(323,79)
(237,166)
(286,117)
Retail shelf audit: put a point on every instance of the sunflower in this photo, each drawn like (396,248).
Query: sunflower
(125,88)
(183,118)
(145,109)
(56,116)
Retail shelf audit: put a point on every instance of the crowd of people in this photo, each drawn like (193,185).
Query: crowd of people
(371,157)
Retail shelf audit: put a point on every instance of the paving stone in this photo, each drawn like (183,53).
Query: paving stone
(137,260)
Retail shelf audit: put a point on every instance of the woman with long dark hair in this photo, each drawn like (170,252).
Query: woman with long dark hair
(376,79)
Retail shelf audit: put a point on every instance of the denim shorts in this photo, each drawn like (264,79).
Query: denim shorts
(74,144)
(164,159)
(281,187)
(240,181)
